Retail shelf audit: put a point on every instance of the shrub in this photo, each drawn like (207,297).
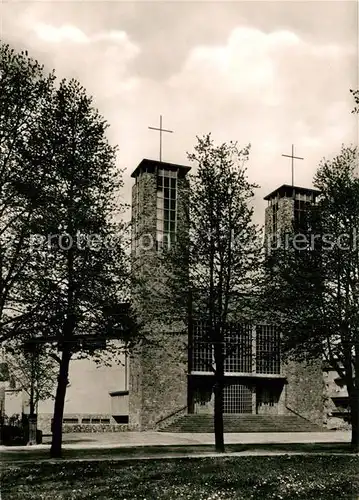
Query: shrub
(12,435)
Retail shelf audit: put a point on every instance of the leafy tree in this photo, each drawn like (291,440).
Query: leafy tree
(223,251)
(64,272)
(312,288)
(79,269)
(33,371)
(24,90)
(208,273)
(356,99)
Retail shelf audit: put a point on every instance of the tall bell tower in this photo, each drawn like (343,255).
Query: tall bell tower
(158,371)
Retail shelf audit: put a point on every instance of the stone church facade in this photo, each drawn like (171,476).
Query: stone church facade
(174,378)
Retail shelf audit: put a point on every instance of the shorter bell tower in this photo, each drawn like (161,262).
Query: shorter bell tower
(286,207)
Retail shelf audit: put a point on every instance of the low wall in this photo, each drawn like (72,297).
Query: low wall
(78,424)
(67,428)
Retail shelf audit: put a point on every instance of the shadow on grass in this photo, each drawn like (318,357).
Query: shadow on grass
(14,455)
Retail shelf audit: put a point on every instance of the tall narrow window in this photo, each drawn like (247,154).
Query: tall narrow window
(274,218)
(301,207)
(136,214)
(166,224)
(202,348)
(238,349)
(267,350)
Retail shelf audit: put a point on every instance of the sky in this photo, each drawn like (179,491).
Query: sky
(271,74)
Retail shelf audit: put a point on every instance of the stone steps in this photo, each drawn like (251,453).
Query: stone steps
(243,423)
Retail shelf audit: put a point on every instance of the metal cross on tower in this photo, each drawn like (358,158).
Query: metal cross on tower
(293,158)
(160,130)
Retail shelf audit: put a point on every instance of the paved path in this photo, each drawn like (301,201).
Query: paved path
(147,446)
(131,439)
(124,439)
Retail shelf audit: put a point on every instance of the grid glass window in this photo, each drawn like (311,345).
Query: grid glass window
(267,350)
(274,218)
(135,214)
(166,216)
(202,349)
(238,344)
(301,207)
(247,349)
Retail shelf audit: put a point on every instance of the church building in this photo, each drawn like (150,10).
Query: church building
(173,382)
(169,385)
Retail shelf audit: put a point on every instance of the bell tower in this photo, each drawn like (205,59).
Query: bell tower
(158,370)
(286,206)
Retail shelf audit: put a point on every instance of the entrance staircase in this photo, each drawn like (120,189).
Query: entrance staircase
(243,423)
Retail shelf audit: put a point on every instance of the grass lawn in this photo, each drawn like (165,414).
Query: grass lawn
(287,477)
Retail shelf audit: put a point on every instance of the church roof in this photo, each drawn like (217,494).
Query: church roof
(287,190)
(151,165)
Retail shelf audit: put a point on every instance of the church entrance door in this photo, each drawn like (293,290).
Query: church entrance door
(237,398)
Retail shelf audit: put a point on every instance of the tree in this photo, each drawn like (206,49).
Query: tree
(79,272)
(312,288)
(24,90)
(33,371)
(356,99)
(208,273)
(64,272)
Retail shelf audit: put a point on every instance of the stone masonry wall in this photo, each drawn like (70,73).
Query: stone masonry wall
(285,214)
(145,220)
(164,379)
(268,225)
(304,390)
(135,389)
(94,428)
(158,370)
(142,258)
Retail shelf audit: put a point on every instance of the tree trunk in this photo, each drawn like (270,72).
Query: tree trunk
(32,418)
(62,381)
(32,386)
(354,410)
(218,415)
